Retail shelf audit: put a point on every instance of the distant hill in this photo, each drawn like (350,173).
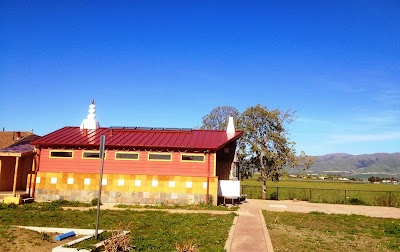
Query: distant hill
(341,163)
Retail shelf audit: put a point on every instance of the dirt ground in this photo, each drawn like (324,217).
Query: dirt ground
(18,239)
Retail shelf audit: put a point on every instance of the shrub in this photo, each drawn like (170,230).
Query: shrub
(317,213)
(8,206)
(94,201)
(50,206)
(119,241)
(273,196)
(355,201)
(45,236)
(210,200)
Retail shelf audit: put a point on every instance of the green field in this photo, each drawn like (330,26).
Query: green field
(317,231)
(325,191)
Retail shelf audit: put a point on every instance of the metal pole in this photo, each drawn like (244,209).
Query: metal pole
(102,147)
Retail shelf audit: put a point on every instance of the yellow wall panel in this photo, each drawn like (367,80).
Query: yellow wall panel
(129,183)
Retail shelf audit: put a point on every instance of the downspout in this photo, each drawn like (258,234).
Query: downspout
(208,177)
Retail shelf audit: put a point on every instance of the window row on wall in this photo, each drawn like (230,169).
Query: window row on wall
(121,182)
(127,155)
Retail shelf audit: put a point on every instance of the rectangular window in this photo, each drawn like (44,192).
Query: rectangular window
(61,154)
(91,155)
(126,155)
(192,158)
(160,156)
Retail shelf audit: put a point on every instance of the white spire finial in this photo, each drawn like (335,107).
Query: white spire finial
(230,130)
(90,122)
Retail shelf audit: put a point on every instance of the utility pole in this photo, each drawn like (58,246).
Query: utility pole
(102,148)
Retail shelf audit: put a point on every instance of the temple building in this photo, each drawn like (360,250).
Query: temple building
(141,165)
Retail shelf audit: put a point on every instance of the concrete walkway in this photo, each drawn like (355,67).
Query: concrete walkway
(249,232)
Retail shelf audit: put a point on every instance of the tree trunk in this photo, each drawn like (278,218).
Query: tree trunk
(264,179)
(264,188)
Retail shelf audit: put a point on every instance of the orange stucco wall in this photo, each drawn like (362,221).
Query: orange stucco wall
(127,181)
(175,167)
(7,171)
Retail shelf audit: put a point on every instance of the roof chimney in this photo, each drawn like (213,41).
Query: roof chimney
(230,130)
(90,123)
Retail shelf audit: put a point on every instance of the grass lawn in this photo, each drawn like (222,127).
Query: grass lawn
(150,230)
(331,232)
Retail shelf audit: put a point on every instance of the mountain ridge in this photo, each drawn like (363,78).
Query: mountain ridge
(344,163)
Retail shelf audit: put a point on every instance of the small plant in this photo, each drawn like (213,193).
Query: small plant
(94,201)
(60,202)
(276,220)
(273,196)
(291,194)
(50,206)
(381,200)
(187,246)
(118,242)
(317,213)
(12,206)
(392,228)
(355,201)
(45,236)
(210,200)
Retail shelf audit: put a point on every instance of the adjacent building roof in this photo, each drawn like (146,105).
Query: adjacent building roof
(20,148)
(8,138)
(135,137)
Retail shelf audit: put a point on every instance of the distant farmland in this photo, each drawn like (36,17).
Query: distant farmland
(326,184)
(339,192)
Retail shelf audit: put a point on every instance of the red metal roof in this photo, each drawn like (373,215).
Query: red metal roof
(138,138)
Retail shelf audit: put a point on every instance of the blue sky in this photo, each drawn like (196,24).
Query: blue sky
(168,63)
